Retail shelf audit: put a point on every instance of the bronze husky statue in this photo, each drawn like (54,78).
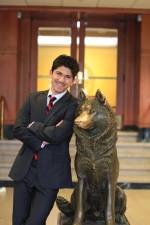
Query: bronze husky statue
(96,200)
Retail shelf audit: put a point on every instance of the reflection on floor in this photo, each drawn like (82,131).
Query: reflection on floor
(138,206)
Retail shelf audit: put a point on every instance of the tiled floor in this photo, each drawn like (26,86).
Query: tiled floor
(138,207)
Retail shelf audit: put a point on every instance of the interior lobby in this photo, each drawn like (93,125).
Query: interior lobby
(110,40)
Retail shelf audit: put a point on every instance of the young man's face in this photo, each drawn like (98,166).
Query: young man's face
(61,79)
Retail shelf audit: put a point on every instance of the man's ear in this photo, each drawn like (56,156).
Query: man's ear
(100,97)
(82,96)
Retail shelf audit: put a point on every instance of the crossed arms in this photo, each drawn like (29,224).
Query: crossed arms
(35,134)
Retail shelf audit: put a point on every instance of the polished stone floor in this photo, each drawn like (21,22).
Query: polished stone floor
(138,206)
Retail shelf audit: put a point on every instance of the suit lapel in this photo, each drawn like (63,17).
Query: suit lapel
(57,106)
(42,101)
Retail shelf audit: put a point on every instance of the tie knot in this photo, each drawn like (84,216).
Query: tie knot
(52,98)
(50,104)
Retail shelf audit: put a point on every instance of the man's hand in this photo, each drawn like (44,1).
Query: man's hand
(45,142)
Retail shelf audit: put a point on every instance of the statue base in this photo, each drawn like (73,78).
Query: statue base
(64,220)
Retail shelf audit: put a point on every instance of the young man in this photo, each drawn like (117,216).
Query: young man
(44,125)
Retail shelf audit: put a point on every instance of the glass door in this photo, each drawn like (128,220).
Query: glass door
(96,50)
(98,57)
(100,62)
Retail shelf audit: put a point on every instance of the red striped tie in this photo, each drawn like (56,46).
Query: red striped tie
(51,103)
(48,108)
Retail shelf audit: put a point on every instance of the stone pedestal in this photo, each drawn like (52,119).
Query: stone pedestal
(64,220)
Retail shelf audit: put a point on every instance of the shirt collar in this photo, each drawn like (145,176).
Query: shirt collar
(58,96)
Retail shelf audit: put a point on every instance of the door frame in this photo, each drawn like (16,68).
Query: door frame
(125,67)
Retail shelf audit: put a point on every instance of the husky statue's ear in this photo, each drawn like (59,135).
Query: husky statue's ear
(82,96)
(99,96)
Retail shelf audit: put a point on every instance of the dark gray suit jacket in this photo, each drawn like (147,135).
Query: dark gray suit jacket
(53,166)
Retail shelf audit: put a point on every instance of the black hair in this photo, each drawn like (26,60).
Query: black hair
(67,61)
